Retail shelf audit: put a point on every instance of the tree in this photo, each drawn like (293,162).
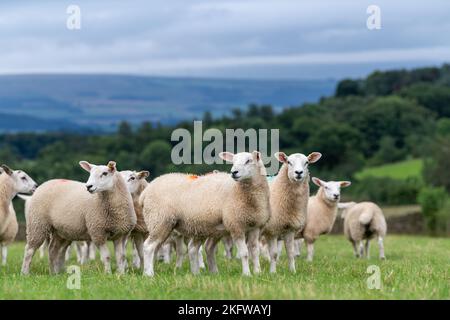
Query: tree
(155,157)
(348,87)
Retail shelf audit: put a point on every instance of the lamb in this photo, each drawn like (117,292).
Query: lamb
(67,211)
(12,183)
(322,211)
(289,194)
(209,207)
(364,221)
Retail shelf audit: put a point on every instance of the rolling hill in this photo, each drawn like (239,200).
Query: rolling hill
(92,101)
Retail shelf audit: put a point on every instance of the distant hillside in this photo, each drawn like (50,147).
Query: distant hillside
(16,123)
(104,100)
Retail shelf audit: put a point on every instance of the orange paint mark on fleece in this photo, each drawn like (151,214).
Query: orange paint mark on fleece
(192,177)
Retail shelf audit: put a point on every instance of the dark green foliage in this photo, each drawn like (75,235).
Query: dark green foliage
(435,204)
(385,191)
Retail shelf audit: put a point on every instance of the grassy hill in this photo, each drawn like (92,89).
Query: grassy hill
(399,170)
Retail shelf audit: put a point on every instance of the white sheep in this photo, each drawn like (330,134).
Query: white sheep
(12,183)
(99,210)
(136,183)
(289,194)
(322,211)
(364,221)
(209,207)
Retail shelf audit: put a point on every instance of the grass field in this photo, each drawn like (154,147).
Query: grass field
(400,170)
(416,267)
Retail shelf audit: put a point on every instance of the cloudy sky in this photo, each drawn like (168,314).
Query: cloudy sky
(217,38)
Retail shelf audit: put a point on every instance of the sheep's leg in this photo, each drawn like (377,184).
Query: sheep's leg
(310,248)
(280,249)
(165,252)
(59,263)
(105,256)
(289,242)
(355,249)
(120,255)
(138,251)
(253,246)
(91,250)
(84,250)
(42,249)
(361,248)
(28,256)
(69,251)
(243,253)
(210,248)
(201,260)
(228,247)
(4,254)
(297,247)
(381,246)
(367,246)
(53,254)
(273,252)
(193,248)
(179,248)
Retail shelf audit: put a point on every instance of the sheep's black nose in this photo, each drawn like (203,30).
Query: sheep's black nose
(233,173)
(336,196)
(89,187)
(298,173)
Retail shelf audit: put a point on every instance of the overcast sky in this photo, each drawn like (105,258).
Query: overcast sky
(216,38)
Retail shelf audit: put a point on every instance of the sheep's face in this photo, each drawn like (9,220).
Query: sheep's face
(133,179)
(101,178)
(331,189)
(245,165)
(22,182)
(297,164)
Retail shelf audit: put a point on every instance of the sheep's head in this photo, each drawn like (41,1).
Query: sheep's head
(245,165)
(23,184)
(331,189)
(297,164)
(133,179)
(101,177)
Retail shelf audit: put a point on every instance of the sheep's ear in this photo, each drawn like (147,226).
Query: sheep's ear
(256,155)
(227,156)
(281,156)
(86,166)
(345,184)
(314,157)
(143,174)
(317,181)
(112,166)
(1,170)
(7,169)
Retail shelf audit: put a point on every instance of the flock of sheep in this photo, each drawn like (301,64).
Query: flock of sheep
(245,209)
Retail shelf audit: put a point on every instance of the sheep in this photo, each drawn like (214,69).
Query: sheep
(209,207)
(12,183)
(67,211)
(322,211)
(289,194)
(136,183)
(364,221)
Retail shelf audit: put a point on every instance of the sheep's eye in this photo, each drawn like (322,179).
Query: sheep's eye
(104,174)
(307,162)
(132,178)
(24,179)
(289,163)
(248,161)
